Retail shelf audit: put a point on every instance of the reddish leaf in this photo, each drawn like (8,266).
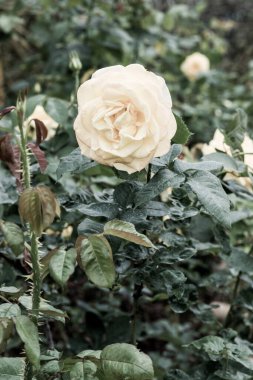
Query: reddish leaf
(6,149)
(26,260)
(41,131)
(40,156)
(6,110)
(10,154)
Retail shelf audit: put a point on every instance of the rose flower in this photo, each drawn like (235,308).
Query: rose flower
(124,117)
(195,65)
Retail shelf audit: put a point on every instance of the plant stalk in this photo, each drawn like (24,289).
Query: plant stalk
(137,290)
(24,153)
(36,278)
(34,243)
(149,173)
(235,290)
(136,295)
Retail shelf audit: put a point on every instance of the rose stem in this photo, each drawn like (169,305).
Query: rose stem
(136,295)
(34,243)
(137,290)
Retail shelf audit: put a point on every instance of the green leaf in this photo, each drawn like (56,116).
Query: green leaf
(182,134)
(163,179)
(12,368)
(38,207)
(6,331)
(237,216)
(155,208)
(28,333)
(245,299)
(127,231)
(89,226)
(8,188)
(62,265)
(45,308)
(9,310)
(90,354)
(10,290)
(83,370)
(124,193)
(240,261)
(211,166)
(57,109)
(32,102)
(9,22)
(212,345)
(137,176)
(51,367)
(74,162)
(235,356)
(105,209)
(235,131)
(174,152)
(14,236)
(167,281)
(211,195)
(176,374)
(174,255)
(124,361)
(229,163)
(95,258)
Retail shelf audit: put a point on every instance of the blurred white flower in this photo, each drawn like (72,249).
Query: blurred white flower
(220,309)
(195,65)
(40,114)
(247,147)
(216,144)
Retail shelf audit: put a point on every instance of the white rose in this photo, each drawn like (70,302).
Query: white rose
(124,117)
(195,65)
(218,143)
(247,147)
(220,309)
(40,114)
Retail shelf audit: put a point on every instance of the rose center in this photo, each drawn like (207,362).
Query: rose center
(122,118)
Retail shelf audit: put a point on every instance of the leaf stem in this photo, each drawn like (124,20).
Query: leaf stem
(235,290)
(137,289)
(136,295)
(149,173)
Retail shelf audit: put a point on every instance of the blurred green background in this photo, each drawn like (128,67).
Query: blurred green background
(37,37)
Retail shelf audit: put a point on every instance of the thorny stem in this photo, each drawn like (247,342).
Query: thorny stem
(34,243)
(24,154)
(36,278)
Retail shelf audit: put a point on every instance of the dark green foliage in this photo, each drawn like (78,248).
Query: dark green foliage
(125,263)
